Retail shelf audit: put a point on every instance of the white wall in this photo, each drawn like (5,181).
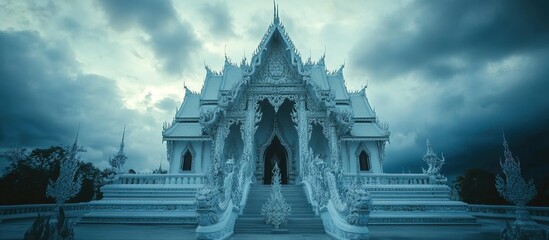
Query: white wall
(200,150)
(349,156)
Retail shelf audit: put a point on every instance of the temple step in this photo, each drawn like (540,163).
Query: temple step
(144,204)
(302,219)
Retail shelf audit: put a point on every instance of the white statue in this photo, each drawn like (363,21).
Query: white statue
(276,210)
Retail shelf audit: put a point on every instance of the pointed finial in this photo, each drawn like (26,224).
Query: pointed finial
(121,150)
(363,90)
(123,134)
(225,51)
(340,70)
(275,12)
(429,149)
(187,90)
(507,151)
(76,139)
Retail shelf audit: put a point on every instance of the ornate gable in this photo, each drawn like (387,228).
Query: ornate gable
(276,67)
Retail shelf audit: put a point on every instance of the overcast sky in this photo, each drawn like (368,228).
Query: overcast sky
(456,72)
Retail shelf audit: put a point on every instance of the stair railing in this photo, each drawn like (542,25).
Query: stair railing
(344,210)
(219,203)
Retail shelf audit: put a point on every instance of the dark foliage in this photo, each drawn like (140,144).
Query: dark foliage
(29,173)
(542,199)
(477,186)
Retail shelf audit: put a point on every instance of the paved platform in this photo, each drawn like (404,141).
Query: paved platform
(487,229)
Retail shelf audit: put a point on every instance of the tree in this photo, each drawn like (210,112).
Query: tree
(28,174)
(476,186)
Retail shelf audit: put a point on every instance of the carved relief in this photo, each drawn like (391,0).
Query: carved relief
(277,68)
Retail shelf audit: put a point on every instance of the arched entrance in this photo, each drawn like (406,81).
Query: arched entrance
(275,152)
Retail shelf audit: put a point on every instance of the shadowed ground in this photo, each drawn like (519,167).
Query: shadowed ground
(488,229)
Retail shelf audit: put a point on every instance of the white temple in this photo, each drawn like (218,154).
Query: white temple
(327,141)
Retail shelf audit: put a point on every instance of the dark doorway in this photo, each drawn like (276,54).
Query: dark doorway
(275,152)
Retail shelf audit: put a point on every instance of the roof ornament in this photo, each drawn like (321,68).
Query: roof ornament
(227,61)
(340,70)
(321,61)
(244,61)
(276,20)
(363,89)
(208,69)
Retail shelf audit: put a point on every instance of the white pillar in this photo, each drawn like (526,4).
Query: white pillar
(303,136)
(249,132)
(334,145)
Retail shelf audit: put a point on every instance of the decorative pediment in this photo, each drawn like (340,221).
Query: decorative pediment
(276,67)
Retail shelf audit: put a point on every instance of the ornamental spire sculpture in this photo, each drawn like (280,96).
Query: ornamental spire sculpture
(117,162)
(514,188)
(67,184)
(434,164)
(276,210)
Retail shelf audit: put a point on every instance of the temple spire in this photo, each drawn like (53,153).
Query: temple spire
(122,142)
(117,161)
(429,149)
(275,12)
(75,144)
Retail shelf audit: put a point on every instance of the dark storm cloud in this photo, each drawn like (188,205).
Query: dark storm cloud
(44,98)
(426,33)
(451,46)
(171,39)
(218,18)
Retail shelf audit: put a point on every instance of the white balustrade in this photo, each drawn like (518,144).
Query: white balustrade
(389,179)
(161,179)
(7,210)
(538,213)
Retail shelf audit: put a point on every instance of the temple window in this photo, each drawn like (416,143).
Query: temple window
(364,161)
(186,161)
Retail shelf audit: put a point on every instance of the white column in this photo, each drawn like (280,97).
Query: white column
(249,132)
(334,145)
(220,136)
(303,136)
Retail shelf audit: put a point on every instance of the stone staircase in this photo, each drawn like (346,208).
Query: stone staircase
(416,204)
(302,220)
(144,204)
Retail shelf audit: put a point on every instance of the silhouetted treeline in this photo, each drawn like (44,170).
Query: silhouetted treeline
(477,186)
(28,175)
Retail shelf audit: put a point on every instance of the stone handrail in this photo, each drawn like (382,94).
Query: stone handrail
(389,179)
(339,204)
(15,211)
(219,206)
(188,178)
(337,226)
(507,211)
(334,221)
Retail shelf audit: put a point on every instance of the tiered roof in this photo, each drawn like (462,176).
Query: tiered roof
(233,79)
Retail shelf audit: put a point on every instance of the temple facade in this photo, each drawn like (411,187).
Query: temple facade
(275,106)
